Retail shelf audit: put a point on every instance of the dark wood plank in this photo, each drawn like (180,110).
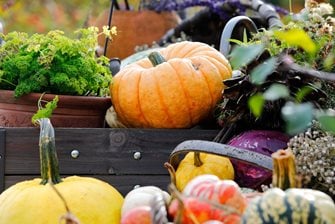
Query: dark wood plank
(2,158)
(123,183)
(101,151)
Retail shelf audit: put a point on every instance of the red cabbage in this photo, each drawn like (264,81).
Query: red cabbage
(262,141)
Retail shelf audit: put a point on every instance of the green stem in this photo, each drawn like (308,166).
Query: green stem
(48,155)
(8,82)
(172,173)
(156,58)
(197,160)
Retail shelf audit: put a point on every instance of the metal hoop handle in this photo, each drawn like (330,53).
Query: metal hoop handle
(236,26)
(243,155)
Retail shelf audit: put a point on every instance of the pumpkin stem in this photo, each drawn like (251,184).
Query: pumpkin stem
(284,170)
(48,155)
(156,58)
(197,160)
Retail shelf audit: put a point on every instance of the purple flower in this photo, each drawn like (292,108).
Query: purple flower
(218,7)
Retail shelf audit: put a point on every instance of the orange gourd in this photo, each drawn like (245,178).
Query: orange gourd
(177,88)
(205,198)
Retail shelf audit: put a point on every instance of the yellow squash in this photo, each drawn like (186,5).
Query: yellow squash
(195,164)
(37,202)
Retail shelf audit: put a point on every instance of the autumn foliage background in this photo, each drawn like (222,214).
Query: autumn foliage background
(44,15)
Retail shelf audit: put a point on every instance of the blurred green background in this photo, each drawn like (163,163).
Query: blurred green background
(67,15)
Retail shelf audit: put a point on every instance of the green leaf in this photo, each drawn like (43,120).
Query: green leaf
(243,55)
(245,36)
(276,91)
(297,37)
(297,117)
(235,41)
(327,121)
(241,42)
(46,111)
(304,91)
(256,103)
(329,62)
(261,72)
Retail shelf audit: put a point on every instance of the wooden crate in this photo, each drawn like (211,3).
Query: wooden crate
(104,153)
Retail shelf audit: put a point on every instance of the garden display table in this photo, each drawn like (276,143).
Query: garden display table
(122,157)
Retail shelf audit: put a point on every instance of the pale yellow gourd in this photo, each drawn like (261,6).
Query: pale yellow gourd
(35,201)
(195,164)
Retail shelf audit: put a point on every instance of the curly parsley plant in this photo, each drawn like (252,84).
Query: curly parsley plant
(54,63)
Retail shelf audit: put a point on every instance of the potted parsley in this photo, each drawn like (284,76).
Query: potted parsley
(54,64)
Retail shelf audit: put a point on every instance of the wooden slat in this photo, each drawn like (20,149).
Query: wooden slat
(103,151)
(2,158)
(123,183)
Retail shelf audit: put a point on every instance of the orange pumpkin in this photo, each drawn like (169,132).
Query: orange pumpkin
(177,90)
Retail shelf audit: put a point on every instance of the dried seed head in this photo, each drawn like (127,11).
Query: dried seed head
(314,153)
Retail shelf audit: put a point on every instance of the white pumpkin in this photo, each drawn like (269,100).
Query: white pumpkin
(142,196)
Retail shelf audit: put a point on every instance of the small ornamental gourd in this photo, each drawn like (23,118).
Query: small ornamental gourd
(176,87)
(196,163)
(295,205)
(205,198)
(142,196)
(210,187)
(37,201)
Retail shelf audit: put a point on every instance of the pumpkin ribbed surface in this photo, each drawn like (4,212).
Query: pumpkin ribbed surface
(304,206)
(178,93)
(89,199)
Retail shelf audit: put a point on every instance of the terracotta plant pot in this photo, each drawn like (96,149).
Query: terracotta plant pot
(134,28)
(71,111)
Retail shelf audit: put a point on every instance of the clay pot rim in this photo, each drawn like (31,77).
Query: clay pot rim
(7,96)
